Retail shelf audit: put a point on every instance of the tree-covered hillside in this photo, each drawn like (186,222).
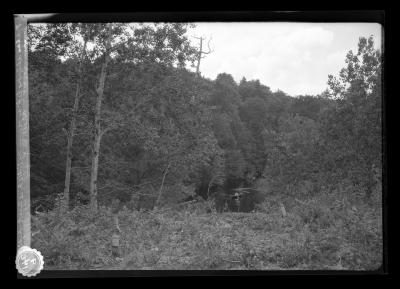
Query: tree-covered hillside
(117,119)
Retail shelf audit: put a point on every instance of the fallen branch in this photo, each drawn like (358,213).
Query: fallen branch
(188,202)
(244,190)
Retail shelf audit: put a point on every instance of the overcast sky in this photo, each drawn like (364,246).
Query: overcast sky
(293,57)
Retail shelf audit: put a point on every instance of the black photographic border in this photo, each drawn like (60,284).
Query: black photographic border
(370,16)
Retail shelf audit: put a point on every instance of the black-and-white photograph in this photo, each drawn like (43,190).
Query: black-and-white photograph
(199,145)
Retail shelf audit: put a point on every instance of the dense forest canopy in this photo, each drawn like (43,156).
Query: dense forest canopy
(165,133)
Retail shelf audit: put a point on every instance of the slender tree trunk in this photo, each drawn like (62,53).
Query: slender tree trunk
(72,132)
(95,166)
(162,185)
(208,188)
(199,57)
(97,127)
(115,238)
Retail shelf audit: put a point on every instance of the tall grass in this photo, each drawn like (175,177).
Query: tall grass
(328,231)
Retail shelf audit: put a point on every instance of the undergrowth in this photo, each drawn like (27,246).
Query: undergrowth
(328,231)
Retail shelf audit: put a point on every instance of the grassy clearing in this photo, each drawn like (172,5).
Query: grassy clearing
(325,232)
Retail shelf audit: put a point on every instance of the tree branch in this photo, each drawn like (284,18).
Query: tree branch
(111,127)
(162,184)
(209,49)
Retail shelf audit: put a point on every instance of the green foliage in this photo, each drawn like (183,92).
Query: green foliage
(225,94)
(353,128)
(150,119)
(308,106)
(156,113)
(293,156)
(253,88)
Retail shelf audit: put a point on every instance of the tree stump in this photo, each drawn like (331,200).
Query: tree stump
(283,210)
(115,244)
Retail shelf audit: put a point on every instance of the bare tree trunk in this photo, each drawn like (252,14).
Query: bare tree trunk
(201,53)
(71,134)
(22,134)
(97,128)
(162,184)
(199,57)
